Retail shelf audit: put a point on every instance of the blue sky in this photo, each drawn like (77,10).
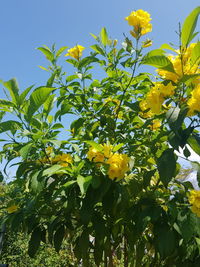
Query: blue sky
(26,24)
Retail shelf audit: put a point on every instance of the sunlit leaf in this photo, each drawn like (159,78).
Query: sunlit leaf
(189,26)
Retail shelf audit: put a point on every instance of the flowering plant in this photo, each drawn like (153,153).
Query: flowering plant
(110,186)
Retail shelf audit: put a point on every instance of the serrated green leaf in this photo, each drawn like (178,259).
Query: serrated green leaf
(156,58)
(49,103)
(37,99)
(61,50)
(98,49)
(47,53)
(25,150)
(23,95)
(188,28)
(72,61)
(13,89)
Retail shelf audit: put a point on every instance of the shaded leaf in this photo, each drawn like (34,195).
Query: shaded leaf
(34,242)
(167,166)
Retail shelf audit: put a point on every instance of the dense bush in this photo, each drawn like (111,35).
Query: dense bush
(109,185)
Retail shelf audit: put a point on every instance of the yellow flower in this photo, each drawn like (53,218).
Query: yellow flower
(182,65)
(95,155)
(193,102)
(155,125)
(118,166)
(194,200)
(63,159)
(12,209)
(49,150)
(140,20)
(75,52)
(155,98)
(107,150)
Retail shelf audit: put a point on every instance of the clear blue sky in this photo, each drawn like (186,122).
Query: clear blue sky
(26,24)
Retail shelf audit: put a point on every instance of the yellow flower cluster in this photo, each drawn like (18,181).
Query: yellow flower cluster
(140,20)
(118,163)
(12,209)
(193,102)
(194,200)
(182,65)
(75,52)
(62,159)
(155,98)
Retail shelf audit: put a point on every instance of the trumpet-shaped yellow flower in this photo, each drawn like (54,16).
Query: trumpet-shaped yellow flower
(62,159)
(193,102)
(182,65)
(118,163)
(140,20)
(194,200)
(75,52)
(154,99)
(118,166)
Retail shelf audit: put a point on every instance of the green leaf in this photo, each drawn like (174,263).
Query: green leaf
(176,116)
(52,170)
(157,59)
(165,239)
(189,26)
(72,61)
(195,57)
(94,144)
(69,183)
(25,150)
(168,47)
(194,142)
(58,237)
(9,126)
(47,53)
(48,104)
(13,89)
(84,183)
(98,49)
(34,242)
(23,95)
(37,99)
(94,36)
(104,37)
(76,125)
(167,166)
(117,147)
(61,50)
